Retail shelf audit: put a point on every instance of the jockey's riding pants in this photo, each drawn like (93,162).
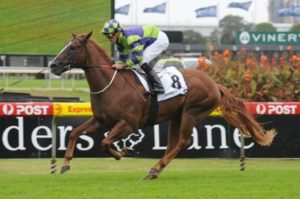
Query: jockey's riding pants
(152,51)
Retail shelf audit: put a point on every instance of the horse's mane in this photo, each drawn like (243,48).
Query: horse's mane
(101,50)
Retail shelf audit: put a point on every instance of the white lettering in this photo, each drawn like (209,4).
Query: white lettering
(31,109)
(214,133)
(157,139)
(271,37)
(292,37)
(237,140)
(62,136)
(257,37)
(209,130)
(281,37)
(35,136)
(195,139)
(282,109)
(89,140)
(20,136)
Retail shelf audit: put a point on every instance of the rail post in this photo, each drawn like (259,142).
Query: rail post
(242,154)
(53,151)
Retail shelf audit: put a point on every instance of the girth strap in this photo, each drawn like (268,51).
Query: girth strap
(152,116)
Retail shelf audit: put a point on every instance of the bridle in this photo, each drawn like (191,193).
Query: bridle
(74,51)
(74,65)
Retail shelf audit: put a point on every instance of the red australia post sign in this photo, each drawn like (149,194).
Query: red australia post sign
(26,109)
(80,109)
(274,108)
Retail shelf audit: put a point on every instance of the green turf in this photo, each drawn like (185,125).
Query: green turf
(183,178)
(82,94)
(44,27)
(52,88)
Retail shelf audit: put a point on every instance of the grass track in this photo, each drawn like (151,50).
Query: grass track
(40,87)
(190,178)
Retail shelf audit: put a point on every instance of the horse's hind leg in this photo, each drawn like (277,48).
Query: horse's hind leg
(186,126)
(173,135)
(89,126)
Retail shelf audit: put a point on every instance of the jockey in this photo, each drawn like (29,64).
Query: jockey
(143,43)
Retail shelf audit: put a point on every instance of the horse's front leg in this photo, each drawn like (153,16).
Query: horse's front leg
(89,126)
(120,130)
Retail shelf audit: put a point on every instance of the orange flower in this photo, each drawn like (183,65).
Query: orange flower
(264,59)
(294,59)
(247,76)
(211,47)
(201,63)
(249,61)
(226,53)
(289,48)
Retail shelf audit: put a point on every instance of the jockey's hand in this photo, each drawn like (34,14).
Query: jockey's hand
(119,65)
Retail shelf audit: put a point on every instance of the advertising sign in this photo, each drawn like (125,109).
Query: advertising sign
(72,109)
(24,137)
(273,38)
(26,109)
(274,108)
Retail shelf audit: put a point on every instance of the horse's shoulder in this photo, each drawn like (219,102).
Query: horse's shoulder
(131,75)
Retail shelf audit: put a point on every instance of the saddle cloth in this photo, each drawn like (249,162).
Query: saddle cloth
(172,81)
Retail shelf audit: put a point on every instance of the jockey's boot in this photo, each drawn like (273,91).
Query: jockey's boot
(155,83)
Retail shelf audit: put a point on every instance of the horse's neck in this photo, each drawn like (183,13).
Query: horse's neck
(99,75)
(98,78)
(96,55)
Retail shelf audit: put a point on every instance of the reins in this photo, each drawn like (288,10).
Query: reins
(106,87)
(111,81)
(103,66)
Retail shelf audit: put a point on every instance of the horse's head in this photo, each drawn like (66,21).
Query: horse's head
(73,55)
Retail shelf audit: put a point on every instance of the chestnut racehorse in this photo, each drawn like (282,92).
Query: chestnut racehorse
(122,106)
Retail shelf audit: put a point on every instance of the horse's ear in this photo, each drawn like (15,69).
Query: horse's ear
(74,35)
(88,35)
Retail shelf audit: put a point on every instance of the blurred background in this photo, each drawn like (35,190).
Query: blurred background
(252,46)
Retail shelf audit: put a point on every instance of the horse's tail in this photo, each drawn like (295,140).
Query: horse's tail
(236,113)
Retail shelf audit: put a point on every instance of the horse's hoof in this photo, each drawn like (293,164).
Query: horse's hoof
(150,177)
(127,151)
(153,174)
(64,169)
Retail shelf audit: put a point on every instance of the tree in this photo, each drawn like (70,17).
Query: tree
(295,28)
(193,37)
(230,26)
(264,27)
(214,37)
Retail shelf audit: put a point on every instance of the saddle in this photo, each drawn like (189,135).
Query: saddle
(173,83)
(171,79)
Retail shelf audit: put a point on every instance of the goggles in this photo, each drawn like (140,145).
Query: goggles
(109,35)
